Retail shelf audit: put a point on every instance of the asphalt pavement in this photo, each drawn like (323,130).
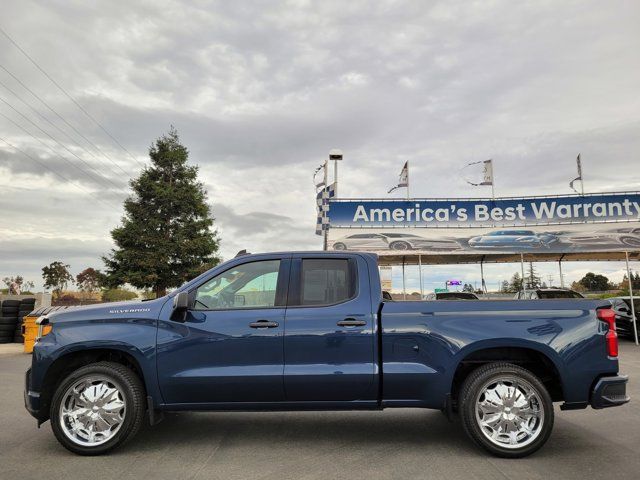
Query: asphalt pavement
(393,444)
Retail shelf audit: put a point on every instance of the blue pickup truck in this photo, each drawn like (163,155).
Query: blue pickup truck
(310,331)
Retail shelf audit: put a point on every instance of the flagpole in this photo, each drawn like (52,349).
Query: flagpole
(493,181)
(408,180)
(579,162)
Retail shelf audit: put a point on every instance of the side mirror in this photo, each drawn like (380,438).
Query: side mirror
(181,301)
(180,307)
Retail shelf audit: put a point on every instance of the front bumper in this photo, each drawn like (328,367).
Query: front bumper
(610,392)
(31,399)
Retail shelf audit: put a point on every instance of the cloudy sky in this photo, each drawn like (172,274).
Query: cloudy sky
(261,91)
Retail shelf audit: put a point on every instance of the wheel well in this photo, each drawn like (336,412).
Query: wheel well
(66,364)
(534,361)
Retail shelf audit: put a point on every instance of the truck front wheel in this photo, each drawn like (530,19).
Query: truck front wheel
(97,408)
(506,410)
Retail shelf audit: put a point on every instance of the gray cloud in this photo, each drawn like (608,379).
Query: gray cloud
(260,93)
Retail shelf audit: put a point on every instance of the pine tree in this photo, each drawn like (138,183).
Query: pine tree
(516,283)
(167,234)
(532,280)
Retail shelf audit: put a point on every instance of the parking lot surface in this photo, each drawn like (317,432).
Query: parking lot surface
(404,443)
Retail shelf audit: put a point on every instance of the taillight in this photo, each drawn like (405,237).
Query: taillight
(608,316)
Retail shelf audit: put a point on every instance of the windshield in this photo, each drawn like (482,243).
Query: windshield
(400,235)
(559,294)
(636,304)
(456,296)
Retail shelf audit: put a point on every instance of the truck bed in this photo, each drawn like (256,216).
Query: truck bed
(430,338)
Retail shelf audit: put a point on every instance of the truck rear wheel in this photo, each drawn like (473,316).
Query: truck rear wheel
(97,408)
(506,410)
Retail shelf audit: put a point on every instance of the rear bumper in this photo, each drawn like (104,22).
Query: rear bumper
(31,399)
(610,392)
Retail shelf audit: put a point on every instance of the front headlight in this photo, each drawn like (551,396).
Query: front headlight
(526,239)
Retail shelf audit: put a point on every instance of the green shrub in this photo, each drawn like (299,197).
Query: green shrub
(118,295)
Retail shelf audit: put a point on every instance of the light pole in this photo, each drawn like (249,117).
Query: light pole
(335,155)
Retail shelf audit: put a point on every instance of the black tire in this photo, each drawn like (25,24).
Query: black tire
(630,241)
(399,245)
(132,391)
(9,312)
(6,339)
(339,246)
(473,390)
(6,329)
(11,303)
(8,320)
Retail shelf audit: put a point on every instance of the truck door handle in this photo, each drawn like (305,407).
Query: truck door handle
(351,322)
(264,324)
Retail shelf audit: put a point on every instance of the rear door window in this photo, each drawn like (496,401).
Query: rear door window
(326,281)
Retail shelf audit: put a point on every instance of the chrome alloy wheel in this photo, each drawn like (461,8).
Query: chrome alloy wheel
(509,412)
(92,411)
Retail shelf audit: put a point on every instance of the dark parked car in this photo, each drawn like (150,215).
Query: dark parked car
(393,241)
(513,240)
(624,319)
(548,293)
(452,296)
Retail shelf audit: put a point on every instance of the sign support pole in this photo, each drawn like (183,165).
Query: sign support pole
(524,287)
(560,268)
(420,273)
(404,289)
(325,232)
(633,308)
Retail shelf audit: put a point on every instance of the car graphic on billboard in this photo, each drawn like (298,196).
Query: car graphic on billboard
(628,237)
(394,241)
(514,240)
(536,239)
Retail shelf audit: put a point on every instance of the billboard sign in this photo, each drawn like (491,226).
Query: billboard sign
(463,212)
(561,224)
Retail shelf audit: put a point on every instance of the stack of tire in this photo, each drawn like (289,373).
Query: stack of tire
(8,320)
(11,314)
(27,305)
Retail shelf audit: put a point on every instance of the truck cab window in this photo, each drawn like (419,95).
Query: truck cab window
(326,281)
(249,285)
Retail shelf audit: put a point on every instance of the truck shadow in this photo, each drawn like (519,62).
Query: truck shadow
(404,428)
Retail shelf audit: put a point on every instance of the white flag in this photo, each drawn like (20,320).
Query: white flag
(322,182)
(403,178)
(487,173)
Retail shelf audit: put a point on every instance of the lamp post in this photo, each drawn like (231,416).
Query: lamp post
(335,155)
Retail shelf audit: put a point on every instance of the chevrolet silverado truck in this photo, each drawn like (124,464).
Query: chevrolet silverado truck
(311,331)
